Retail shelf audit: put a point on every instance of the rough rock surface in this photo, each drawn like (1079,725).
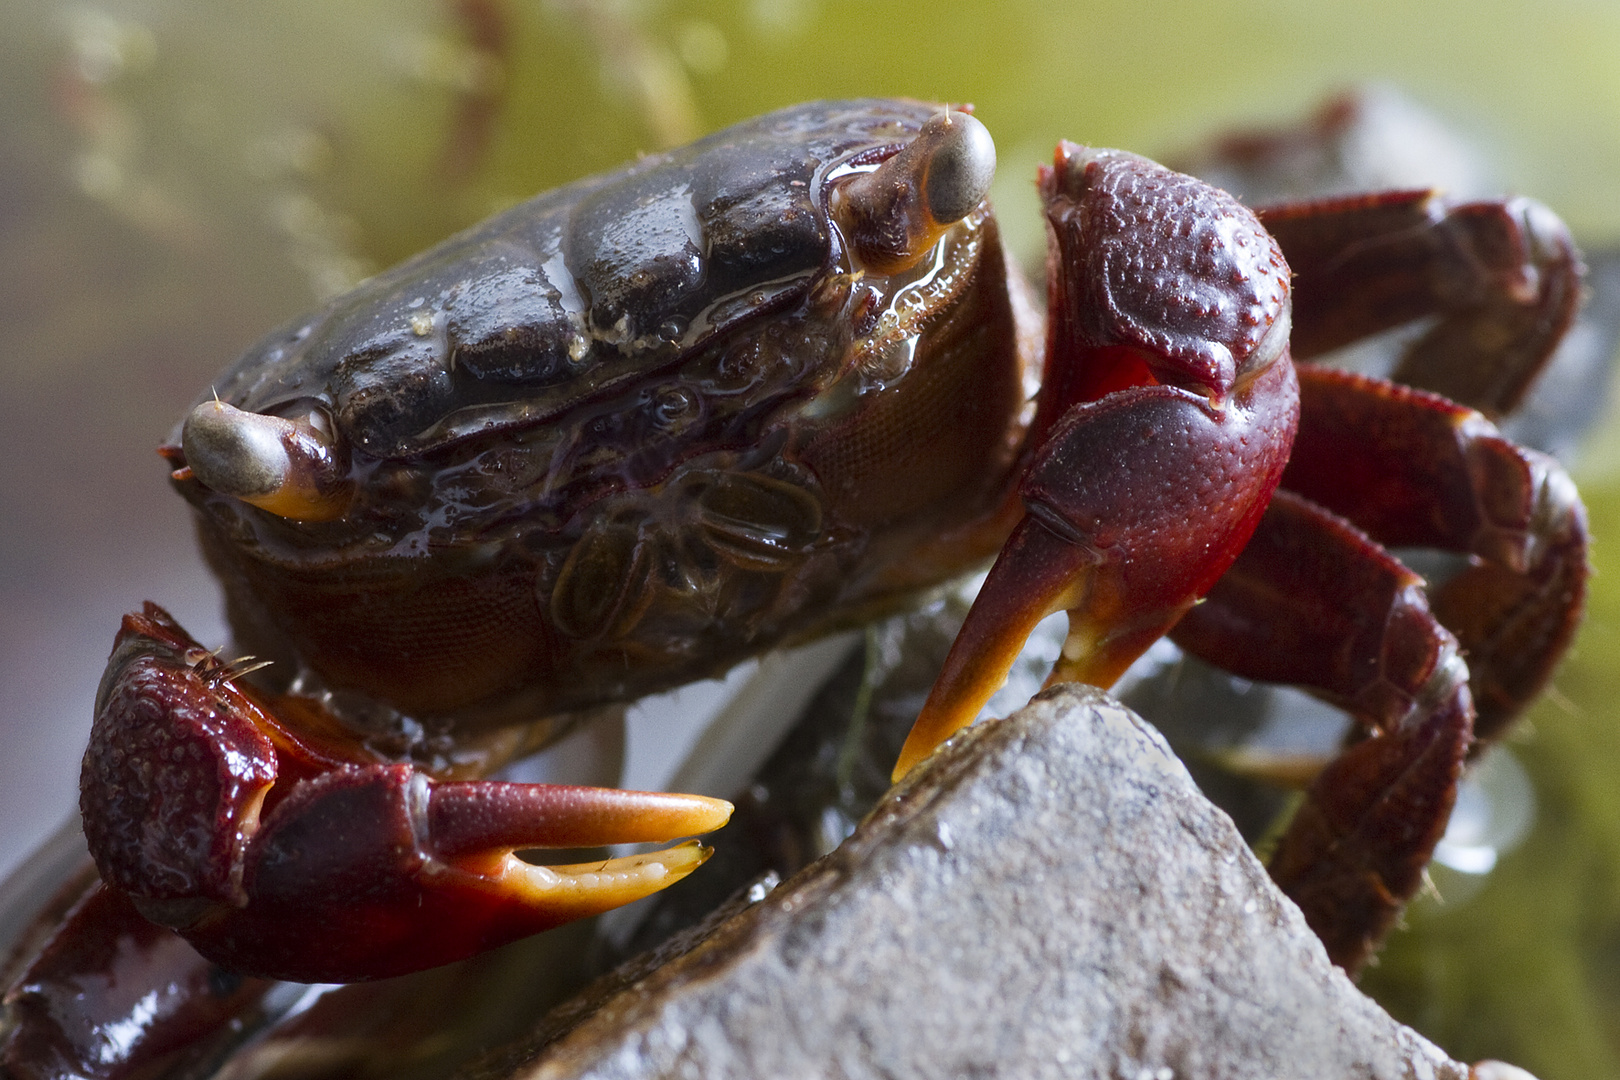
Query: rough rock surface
(1049,897)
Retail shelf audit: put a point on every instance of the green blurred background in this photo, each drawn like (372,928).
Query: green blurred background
(176,178)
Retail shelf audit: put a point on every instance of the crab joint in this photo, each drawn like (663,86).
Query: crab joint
(292,469)
(896,213)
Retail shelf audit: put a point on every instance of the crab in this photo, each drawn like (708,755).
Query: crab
(775,383)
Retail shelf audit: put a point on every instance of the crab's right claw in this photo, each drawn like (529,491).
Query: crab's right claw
(1168,408)
(308,860)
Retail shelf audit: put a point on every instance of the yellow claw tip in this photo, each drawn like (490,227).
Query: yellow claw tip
(705,815)
(575,890)
(910,758)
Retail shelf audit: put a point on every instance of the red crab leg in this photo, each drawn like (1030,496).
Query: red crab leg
(309,860)
(1416,470)
(1313,602)
(1170,405)
(1502,278)
(107,970)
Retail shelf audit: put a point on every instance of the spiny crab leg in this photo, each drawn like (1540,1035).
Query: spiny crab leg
(1501,279)
(306,860)
(1173,407)
(1416,470)
(1314,602)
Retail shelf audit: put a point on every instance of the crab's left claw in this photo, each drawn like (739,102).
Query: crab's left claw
(1171,407)
(301,858)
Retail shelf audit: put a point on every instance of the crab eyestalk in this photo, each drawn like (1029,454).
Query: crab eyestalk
(293,469)
(893,215)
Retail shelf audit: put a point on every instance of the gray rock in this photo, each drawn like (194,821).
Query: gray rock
(1048,897)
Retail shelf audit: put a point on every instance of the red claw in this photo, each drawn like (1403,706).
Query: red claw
(1168,399)
(221,824)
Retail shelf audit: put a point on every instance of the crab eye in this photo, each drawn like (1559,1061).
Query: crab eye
(894,214)
(291,468)
(961,167)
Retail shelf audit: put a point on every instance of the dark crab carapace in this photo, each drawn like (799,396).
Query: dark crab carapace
(635,429)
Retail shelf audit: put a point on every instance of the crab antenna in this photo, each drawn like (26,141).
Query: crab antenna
(896,213)
(290,468)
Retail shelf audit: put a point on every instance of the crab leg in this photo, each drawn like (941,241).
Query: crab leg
(1314,602)
(304,860)
(1171,405)
(1416,470)
(1502,279)
(109,994)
